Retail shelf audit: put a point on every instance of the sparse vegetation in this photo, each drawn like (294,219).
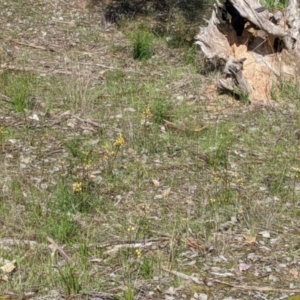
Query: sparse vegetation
(141,176)
(275,4)
(286,90)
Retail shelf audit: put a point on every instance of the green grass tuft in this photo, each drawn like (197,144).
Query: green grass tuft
(18,87)
(142,44)
(69,279)
(275,4)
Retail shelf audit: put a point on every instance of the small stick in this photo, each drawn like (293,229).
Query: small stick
(239,287)
(169,124)
(5,98)
(26,44)
(256,288)
(24,69)
(183,276)
(60,250)
(87,121)
(134,246)
(129,242)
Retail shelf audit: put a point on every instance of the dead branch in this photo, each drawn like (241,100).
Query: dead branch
(234,286)
(87,121)
(28,44)
(15,242)
(60,250)
(183,276)
(5,98)
(39,71)
(256,288)
(129,242)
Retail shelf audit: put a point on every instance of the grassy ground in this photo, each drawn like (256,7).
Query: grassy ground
(126,179)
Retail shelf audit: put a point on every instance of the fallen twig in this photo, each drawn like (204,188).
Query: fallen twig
(171,125)
(87,121)
(39,71)
(100,295)
(114,246)
(5,98)
(15,242)
(256,288)
(126,243)
(110,67)
(135,246)
(106,67)
(234,286)
(60,250)
(16,68)
(192,243)
(27,44)
(183,276)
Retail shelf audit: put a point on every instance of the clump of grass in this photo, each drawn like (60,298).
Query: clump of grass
(142,44)
(69,280)
(110,155)
(243,96)
(18,87)
(285,90)
(191,56)
(81,193)
(61,227)
(161,111)
(219,157)
(76,197)
(146,267)
(128,294)
(74,147)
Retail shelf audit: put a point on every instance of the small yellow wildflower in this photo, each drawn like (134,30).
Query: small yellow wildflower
(88,165)
(147,112)
(77,187)
(212,200)
(216,179)
(241,181)
(119,141)
(130,228)
(138,253)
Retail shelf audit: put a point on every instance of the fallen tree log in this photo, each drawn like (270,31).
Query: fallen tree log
(258,47)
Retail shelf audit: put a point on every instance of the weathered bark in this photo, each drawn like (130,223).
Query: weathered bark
(259,47)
